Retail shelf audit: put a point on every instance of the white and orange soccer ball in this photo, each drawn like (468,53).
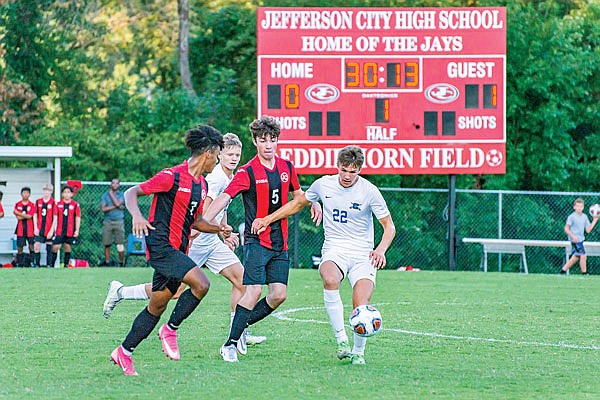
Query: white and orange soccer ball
(595,210)
(365,320)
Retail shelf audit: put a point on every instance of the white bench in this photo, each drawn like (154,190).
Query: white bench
(7,251)
(517,246)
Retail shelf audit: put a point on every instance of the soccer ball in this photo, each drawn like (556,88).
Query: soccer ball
(365,320)
(595,210)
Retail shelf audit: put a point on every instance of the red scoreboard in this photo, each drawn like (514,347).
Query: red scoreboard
(421,90)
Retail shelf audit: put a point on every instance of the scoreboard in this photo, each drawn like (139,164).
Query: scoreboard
(421,90)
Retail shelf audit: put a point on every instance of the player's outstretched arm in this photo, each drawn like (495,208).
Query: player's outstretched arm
(291,208)
(139,224)
(204,225)
(216,206)
(389,231)
(316,211)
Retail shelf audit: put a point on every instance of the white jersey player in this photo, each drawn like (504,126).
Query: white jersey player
(207,249)
(349,203)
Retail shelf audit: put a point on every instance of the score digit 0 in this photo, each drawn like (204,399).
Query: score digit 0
(397,75)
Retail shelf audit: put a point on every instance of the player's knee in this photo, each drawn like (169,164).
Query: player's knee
(201,289)
(277,297)
(120,248)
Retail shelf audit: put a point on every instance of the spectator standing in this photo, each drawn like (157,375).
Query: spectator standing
(112,205)
(42,224)
(24,211)
(66,223)
(577,225)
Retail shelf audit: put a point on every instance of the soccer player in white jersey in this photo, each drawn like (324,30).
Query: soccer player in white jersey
(206,249)
(348,251)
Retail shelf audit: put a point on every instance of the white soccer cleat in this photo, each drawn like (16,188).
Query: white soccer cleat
(252,340)
(112,298)
(241,344)
(229,353)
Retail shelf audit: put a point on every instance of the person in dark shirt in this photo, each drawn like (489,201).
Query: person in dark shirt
(42,224)
(176,208)
(265,183)
(66,223)
(24,211)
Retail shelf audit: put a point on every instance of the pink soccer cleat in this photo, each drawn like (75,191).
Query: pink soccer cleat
(168,338)
(122,360)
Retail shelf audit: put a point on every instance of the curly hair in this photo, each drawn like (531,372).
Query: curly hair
(202,138)
(265,126)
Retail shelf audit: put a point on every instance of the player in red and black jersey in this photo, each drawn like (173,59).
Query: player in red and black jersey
(24,211)
(265,183)
(179,194)
(66,223)
(42,225)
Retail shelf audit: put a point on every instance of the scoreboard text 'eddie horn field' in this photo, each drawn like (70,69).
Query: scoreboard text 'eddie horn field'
(421,90)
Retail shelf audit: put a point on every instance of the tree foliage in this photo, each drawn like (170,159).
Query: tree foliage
(103,76)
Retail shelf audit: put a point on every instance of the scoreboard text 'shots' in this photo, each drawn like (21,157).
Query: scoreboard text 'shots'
(420,90)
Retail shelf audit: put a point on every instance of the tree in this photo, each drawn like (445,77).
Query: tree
(184,32)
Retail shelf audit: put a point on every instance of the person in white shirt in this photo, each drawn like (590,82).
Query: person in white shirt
(349,203)
(206,249)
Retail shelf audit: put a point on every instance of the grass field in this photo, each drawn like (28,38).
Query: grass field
(445,336)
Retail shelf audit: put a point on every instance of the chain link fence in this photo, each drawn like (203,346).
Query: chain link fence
(421,219)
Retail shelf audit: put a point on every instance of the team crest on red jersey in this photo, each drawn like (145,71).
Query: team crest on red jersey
(285,177)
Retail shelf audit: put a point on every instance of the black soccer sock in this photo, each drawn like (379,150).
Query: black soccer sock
(27,259)
(48,255)
(36,259)
(260,311)
(142,326)
(239,323)
(52,259)
(67,259)
(20,259)
(186,305)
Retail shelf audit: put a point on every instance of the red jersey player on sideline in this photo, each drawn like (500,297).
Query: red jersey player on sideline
(24,211)
(42,221)
(265,183)
(66,223)
(179,194)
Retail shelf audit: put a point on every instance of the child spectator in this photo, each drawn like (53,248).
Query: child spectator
(578,224)
(24,211)
(43,219)
(67,219)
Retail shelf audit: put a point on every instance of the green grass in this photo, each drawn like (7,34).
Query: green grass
(462,335)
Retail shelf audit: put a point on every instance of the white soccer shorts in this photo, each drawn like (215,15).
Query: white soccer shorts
(216,257)
(355,266)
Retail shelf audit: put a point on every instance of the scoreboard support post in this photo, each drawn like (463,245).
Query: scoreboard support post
(451,222)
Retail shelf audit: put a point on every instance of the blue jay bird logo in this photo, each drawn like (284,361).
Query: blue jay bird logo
(355,206)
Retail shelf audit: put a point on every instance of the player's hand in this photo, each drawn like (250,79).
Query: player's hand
(140,227)
(316,213)
(259,225)
(233,241)
(36,232)
(225,231)
(377,259)
(194,234)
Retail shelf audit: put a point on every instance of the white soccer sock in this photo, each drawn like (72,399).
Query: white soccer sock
(231,320)
(335,310)
(126,352)
(137,292)
(359,345)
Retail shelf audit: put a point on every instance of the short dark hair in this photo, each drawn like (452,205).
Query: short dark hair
(67,187)
(265,126)
(202,138)
(25,189)
(351,156)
